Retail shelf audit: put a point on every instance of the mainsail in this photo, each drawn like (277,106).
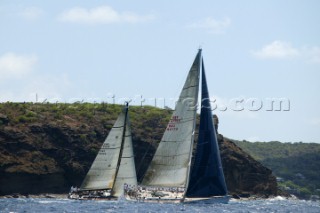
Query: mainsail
(206,177)
(114,164)
(170,164)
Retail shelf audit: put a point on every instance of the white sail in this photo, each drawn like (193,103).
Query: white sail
(127,171)
(104,168)
(170,164)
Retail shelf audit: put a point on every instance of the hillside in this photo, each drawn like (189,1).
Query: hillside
(46,148)
(296,164)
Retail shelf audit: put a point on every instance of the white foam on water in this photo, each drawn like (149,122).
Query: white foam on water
(278,198)
(53,201)
(277,204)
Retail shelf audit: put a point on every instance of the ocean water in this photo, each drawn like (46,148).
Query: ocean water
(65,205)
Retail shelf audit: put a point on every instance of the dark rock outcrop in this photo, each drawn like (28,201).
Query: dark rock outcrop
(4,119)
(243,174)
(47,151)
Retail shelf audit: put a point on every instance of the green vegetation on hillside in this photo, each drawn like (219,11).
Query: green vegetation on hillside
(56,143)
(143,119)
(47,147)
(298,164)
(81,115)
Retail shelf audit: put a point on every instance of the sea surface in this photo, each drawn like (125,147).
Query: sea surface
(64,205)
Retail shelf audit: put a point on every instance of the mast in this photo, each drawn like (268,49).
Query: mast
(126,172)
(121,146)
(192,139)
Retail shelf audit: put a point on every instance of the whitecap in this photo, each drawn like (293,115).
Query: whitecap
(278,198)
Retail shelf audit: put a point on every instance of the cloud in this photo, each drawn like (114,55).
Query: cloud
(16,66)
(284,50)
(32,13)
(19,81)
(47,87)
(101,15)
(211,25)
(277,50)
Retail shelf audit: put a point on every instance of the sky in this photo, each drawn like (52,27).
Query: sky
(257,54)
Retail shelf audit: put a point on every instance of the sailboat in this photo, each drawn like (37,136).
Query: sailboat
(171,177)
(113,166)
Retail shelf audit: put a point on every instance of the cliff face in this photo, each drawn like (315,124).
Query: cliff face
(48,148)
(243,174)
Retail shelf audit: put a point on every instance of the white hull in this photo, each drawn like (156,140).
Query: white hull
(208,200)
(166,195)
(153,200)
(92,198)
(92,195)
(153,194)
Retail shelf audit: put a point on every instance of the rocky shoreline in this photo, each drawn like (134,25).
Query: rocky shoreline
(45,149)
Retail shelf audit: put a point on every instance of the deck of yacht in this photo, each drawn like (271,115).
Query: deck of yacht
(166,195)
(153,194)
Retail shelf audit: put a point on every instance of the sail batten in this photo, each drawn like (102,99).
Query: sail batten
(173,141)
(187,153)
